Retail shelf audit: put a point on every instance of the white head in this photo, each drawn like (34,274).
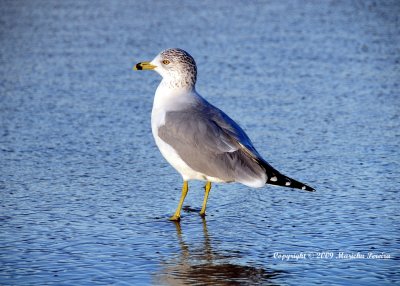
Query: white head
(176,66)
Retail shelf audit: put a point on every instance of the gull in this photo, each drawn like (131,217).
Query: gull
(199,140)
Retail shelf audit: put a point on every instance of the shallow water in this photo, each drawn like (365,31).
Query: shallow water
(85,194)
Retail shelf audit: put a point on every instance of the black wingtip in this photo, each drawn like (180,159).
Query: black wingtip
(308,189)
(298,185)
(284,181)
(274,177)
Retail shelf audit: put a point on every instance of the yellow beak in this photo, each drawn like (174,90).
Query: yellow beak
(144,66)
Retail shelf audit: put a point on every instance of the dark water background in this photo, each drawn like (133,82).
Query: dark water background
(85,194)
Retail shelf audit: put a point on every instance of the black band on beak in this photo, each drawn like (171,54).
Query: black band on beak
(139,66)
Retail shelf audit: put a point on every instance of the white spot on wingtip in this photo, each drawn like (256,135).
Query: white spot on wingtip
(273,179)
(303,187)
(287,184)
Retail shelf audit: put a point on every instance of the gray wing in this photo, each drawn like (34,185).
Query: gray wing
(212,143)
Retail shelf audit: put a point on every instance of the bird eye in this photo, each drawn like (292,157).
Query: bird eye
(165,62)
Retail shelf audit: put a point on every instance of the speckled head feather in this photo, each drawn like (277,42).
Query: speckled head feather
(179,67)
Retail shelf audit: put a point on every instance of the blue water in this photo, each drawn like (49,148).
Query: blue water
(85,194)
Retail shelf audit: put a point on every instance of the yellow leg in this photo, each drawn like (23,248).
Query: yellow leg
(203,209)
(177,215)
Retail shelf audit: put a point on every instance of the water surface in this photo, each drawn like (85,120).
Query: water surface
(85,194)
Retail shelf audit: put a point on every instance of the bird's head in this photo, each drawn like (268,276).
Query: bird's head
(176,66)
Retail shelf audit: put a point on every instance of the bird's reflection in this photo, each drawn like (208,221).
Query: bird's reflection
(203,266)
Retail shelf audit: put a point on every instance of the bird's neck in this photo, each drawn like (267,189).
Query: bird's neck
(169,97)
(179,82)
